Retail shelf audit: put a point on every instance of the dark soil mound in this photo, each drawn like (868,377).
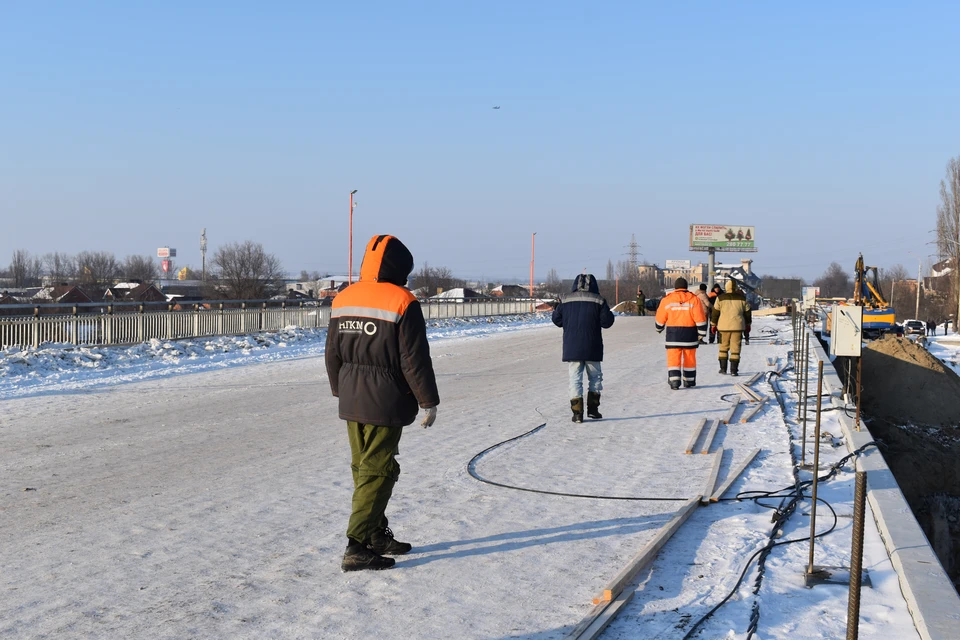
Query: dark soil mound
(904,384)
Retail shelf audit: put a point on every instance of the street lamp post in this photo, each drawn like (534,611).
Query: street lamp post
(350,252)
(533,247)
(916,314)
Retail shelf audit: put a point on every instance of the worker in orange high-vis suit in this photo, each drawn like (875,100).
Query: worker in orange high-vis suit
(681,314)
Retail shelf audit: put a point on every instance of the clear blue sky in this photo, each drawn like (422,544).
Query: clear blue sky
(825,125)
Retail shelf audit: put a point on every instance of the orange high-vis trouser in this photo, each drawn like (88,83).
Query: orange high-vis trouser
(682,364)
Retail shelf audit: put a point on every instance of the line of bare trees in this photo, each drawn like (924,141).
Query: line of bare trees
(241,271)
(91,268)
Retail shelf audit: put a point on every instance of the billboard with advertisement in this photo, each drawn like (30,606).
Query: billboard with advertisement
(677,264)
(166,252)
(722,237)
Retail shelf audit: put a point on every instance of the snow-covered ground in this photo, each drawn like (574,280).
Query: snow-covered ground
(152,495)
(53,367)
(947,349)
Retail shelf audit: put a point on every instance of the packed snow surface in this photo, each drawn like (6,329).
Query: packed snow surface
(165,491)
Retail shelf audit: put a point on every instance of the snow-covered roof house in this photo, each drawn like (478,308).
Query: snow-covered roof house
(458,293)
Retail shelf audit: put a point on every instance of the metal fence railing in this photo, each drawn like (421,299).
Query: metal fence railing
(97,324)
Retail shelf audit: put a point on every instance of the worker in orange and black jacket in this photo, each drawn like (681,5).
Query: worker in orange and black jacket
(379,365)
(681,314)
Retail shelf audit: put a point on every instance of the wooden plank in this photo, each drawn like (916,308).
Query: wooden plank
(748,394)
(754,378)
(775,311)
(727,419)
(647,554)
(749,414)
(710,436)
(593,625)
(733,475)
(712,478)
(695,436)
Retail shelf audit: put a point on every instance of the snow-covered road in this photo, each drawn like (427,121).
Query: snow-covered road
(213,505)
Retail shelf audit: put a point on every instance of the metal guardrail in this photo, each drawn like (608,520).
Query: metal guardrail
(98,324)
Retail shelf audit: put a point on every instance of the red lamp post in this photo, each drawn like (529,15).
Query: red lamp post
(350,252)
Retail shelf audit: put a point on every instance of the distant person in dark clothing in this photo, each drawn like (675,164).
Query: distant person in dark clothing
(713,295)
(582,314)
(641,302)
(931,328)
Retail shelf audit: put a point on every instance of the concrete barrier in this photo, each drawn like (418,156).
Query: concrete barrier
(931,597)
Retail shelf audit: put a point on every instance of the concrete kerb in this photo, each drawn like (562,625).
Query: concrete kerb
(931,597)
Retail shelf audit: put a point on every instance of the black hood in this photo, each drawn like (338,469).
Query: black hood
(586,282)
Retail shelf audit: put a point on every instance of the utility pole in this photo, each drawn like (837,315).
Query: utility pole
(634,250)
(203,255)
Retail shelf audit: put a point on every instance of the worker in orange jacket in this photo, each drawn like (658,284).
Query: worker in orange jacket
(681,314)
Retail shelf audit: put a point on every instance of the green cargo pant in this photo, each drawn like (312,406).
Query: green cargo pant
(730,341)
(373,452)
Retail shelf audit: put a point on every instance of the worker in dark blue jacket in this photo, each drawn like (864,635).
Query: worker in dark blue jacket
(582,314)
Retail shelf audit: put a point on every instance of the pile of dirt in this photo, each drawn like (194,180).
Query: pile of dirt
(904,384)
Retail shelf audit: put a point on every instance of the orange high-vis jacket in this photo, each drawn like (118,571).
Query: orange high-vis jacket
(681,314)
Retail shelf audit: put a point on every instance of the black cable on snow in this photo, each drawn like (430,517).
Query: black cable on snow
(472,470)
(782,512)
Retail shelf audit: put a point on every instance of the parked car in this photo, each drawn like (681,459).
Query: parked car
(914,327)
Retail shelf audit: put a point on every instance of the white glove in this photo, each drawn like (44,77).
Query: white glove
(429,416)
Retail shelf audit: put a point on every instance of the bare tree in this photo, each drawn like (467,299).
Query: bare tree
(139,269)
(948,228)
(97,268)
(433,278)
(835,282)
(25,269)
(553,283)
(610,272)
(247,272)
(61,267)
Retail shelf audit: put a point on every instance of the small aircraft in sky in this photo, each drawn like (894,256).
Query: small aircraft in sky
(497,107)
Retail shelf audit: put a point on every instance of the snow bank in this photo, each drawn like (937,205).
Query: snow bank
(59,367)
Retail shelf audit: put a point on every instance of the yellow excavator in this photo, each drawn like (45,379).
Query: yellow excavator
(878,316)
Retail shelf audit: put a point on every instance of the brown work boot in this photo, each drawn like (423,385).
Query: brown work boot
(576,404)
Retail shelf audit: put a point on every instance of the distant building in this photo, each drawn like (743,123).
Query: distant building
(62,294)
(693,275)
(941,277)
(133,292)
(510,291)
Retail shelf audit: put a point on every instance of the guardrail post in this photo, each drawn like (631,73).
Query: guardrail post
(196,321)
(140,322)
(243,317)
(169,321)
(220,320)
(108,326)
(263,316)
(816,468)
(36,328)
(76,326)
